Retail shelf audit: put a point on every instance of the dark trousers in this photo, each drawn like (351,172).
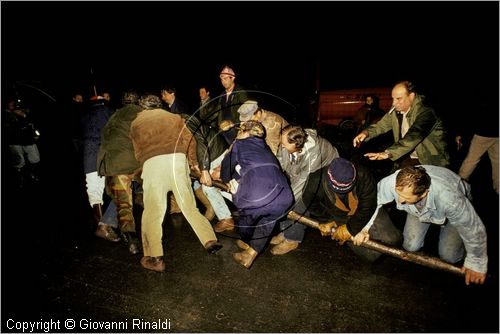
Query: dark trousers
(256,225)
(382,230)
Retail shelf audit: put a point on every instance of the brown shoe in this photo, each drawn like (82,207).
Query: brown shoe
(284,247)
(246,257)
(242,245)
(224,225)
(278,239)
(106,232)
(153,263)
(213,246)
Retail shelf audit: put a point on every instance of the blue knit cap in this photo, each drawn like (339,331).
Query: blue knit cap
(341,175)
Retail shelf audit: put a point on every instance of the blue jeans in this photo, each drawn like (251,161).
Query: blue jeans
(451,246)
(110,215)
(214,194)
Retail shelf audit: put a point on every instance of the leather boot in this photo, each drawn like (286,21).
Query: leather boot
(103,231)
(106,232)
(276,240)
(246,257)
(132,242)
(154,263)
(173,206)
(242,245)
(224,225)
(213,246)
(284,247)
(209,212)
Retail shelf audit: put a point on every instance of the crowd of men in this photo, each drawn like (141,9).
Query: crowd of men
(231,153)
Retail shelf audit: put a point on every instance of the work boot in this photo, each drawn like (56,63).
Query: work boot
(284,247)
(242,245)
(276,240)
(213,246)
(106,232)
(103,231)
(224,225)
(174,207)
(246,257)
(154,263)
(209,212)
(132,242)
(177,219)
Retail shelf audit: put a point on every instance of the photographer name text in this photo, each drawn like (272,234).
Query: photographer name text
(51,325)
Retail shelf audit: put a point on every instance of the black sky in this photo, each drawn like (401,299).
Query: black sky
(445,47)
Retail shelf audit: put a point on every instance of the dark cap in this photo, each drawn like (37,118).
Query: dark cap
(341,175)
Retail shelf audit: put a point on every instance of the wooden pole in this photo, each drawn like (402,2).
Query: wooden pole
(424,260)
(428,261)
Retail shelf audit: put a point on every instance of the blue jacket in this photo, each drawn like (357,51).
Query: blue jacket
(261,180)
(447,200)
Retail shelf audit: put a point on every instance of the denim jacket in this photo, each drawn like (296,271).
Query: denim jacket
(448,200)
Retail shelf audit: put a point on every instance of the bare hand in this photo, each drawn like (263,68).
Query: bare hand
(356,142)
(205,178)
(472,276)
(216,173)
(360,238)
(377,156)
(196,170)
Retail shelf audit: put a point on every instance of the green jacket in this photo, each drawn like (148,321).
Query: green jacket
(426,135)
(116,154)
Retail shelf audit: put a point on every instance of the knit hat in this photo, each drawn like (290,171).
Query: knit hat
(247,109)
(341,175)
(227,71)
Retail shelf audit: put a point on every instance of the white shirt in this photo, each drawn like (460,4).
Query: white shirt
(404,129)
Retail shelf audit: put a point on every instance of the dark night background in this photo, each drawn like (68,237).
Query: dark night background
(450,50)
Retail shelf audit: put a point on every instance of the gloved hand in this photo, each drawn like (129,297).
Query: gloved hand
(341,234)
(326,229)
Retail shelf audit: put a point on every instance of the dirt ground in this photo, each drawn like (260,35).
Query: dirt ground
(53,268)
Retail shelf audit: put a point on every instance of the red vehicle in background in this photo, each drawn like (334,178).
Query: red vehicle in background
(339,107)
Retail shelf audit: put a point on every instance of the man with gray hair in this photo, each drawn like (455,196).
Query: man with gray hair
(272,122)
(161,144)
